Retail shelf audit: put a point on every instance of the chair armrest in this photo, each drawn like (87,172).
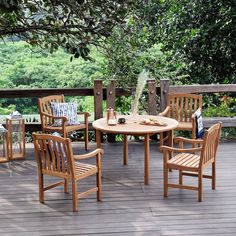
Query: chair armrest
(165,112)
(84,113)
(54,117)
(46,115)
(88,155)
(187,140)
(188,150)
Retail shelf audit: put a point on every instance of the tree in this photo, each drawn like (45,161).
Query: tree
(203,32)
(137,44)
(71,24)
(174,39)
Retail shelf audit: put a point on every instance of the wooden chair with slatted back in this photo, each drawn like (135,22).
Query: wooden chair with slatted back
(47,118)
(182,108)
(55,157)
(190,163)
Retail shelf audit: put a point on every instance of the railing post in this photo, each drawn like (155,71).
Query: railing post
(164,86)
(98,99)
(111,94)
(152,108)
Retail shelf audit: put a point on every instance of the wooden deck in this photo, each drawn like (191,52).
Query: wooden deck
(128,207)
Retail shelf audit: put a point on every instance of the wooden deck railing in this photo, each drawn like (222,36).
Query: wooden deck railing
(109,93)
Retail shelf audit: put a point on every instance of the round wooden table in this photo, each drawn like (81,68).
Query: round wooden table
(133,127)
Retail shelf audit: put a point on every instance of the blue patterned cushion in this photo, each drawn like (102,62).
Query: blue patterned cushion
(199,123)
(67,109)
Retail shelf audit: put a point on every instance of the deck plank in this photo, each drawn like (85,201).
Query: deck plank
(128,208)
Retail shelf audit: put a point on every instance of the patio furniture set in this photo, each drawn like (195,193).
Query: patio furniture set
(55,157)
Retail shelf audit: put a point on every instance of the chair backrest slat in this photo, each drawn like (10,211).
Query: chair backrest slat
(53,157)
(182,106)
(43,154)
(210,144)
(190,107)
(181,112)
(186,110)
(46,153)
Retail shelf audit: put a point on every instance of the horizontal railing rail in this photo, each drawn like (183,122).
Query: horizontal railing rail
(205,88)
(35,93)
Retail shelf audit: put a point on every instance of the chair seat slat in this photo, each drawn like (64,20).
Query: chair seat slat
(185,159)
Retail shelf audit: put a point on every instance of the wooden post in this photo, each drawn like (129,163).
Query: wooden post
(111,94)
(164,86)
(152,109)
(152,102)
(98,99)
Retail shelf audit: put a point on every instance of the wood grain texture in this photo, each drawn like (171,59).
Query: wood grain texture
(98,99)
(111,95)
(152,97)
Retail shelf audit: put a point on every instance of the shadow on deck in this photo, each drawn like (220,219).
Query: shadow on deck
(128,207)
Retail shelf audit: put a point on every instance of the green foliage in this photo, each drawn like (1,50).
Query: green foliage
(228,133)
(135,46)
(222,107)
(73,24)
(86,104)
(203,34)
(24,68)
(20,67)
(123,105)
(7,110)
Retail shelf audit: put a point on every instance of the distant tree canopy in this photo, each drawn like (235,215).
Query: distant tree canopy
(140,43)
(204,33)
(71,24)
(186,41)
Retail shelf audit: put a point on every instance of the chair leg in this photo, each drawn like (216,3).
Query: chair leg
(66,186)
(86,139)
(74,195)
(180,177)
(194,137)
(99,185)
(41,192)
(161,142)
(163,138)
(200,186)
(165,174)
(213,175)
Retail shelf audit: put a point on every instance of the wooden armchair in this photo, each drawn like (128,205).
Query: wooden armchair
(48,119)
(188,163)
(55,157)
(182,108)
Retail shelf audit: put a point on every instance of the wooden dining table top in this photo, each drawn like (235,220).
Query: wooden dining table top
(135,124)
